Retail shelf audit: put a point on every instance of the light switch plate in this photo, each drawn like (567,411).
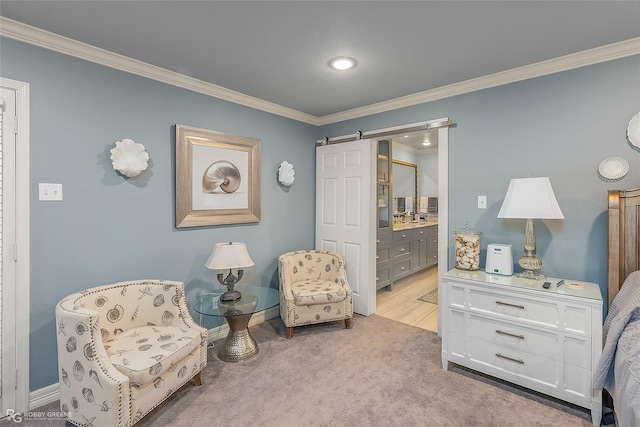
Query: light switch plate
(482,202)
(49,191)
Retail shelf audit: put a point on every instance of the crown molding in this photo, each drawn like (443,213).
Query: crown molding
(38,37)
(597,55)
(47,40)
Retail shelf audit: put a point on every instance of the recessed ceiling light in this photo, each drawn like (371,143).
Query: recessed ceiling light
(426,143)
(342,63)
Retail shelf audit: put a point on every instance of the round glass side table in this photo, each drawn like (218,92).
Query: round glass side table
(239,344)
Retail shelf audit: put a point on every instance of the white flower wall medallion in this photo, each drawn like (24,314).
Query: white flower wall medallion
(286,174)
(633,132)
(613,169)
(129,158)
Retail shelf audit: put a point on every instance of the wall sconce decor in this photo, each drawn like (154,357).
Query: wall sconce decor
(286,174)
(633,131)
(129,158)
(613,169)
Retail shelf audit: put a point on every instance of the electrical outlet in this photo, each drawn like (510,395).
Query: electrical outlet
(49,191)
(482,202)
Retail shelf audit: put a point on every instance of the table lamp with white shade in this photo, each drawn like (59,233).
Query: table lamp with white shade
(530,198)
(229,256)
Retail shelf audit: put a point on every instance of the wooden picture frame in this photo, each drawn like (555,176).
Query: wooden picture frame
(217,178)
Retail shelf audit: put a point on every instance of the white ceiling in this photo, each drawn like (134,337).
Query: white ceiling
(278,51)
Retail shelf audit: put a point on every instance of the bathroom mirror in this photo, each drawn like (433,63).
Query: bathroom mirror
(405,186)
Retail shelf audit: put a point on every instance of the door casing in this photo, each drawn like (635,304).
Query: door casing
(15,252)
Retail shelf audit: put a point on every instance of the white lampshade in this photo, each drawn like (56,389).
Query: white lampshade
(229,255)
(530,198)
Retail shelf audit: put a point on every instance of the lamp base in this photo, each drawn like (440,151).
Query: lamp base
(530,274)
(530,264)
(230,296)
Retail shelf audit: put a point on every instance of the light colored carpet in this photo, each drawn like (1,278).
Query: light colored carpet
(380,373)
(430,297)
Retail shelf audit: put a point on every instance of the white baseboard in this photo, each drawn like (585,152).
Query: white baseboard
(44,396)
(51,393)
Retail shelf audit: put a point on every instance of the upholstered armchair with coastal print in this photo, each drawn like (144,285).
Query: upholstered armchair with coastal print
(313,289)
(123,349)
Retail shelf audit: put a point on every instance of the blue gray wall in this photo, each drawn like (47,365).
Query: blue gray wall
(109,228)
(561,126)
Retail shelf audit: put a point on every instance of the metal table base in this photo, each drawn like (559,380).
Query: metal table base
(239,344)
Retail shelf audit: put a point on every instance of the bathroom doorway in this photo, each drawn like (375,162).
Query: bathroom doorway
(413,299)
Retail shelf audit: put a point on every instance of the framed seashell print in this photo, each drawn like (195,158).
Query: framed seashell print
(217,178)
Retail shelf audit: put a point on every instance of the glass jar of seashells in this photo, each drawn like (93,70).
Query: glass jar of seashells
(467,247)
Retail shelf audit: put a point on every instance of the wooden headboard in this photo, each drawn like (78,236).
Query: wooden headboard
(624,246)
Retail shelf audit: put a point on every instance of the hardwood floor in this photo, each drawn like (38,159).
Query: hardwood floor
(402,304)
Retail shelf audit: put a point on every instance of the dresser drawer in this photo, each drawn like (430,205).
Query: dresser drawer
(539,373)
(513,337)
(509,306)
(528,366)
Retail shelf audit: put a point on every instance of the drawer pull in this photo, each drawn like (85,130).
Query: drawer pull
(402,250)
(510,305)
(404,235)
(402,268)
(378,241)
(502,356)
(377,256)
(520,337)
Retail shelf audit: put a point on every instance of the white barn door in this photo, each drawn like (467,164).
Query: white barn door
(345,214)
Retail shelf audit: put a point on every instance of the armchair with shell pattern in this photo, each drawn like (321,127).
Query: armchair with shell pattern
(123,349)
(314,289)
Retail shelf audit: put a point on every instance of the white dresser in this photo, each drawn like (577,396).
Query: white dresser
(548,340)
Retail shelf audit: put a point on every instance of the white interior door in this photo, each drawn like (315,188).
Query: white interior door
(345,214)
(14,246)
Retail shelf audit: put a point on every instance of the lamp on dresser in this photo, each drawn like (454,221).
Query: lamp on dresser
(229,256)
(530,198)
